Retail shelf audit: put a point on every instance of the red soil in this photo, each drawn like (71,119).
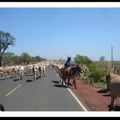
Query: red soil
(95,99)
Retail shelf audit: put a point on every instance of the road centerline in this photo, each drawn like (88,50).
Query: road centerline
(13,90)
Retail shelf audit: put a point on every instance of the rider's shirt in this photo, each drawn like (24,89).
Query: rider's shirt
(68,63)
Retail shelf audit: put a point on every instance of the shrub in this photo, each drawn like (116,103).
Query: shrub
(96,73)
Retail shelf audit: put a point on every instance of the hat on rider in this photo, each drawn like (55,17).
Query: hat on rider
(69,58)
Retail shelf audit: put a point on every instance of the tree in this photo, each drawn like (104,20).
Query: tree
(8,58)
(6,39)
(25,58)
(102,58)
(37,59)
(16,60)
(82,59)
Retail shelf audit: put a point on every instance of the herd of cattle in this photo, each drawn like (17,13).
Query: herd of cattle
(39,70)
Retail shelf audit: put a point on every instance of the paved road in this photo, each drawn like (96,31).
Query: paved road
(44,94)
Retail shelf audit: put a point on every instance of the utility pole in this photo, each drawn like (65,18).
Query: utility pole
(112,55)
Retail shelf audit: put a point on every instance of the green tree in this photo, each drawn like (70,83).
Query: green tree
(6,39)
(82,59)
(8,55)
(16,60)
(8,58)
(25,58)
(37,59)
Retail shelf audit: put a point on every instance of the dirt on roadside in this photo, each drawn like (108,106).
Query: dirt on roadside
(95,99)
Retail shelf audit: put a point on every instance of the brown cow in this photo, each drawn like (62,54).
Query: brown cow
(113,82)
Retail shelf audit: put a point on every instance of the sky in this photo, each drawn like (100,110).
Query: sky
(55,33)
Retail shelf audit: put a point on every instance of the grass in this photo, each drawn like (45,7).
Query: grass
(101,84)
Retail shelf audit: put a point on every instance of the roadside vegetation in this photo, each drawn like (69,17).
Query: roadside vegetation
(10,58)
(95,75)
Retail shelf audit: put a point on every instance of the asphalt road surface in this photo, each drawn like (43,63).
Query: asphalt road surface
(44,94)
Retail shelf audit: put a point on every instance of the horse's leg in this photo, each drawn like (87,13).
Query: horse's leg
(66,83)
(74,82)
(69,81)
(63,80)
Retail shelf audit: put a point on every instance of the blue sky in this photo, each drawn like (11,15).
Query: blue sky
(55,33)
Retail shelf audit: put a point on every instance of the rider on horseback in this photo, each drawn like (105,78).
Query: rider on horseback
(70,71)
(68,63)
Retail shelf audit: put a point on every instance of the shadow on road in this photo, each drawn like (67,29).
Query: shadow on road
(29,80)
(11,77)
(2,78)
(56,81)
(31,75)
(59,86)
(26,75)
(16,80)
(103,91)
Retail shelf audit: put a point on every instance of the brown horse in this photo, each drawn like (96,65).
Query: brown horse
(70,73)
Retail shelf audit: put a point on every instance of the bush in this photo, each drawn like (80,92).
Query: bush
(96,73)
(101,85)
(89,81)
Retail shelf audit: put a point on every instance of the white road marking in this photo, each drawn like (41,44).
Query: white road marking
(13,90)
(81,105)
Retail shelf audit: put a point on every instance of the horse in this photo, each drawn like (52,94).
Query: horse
(70,73)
